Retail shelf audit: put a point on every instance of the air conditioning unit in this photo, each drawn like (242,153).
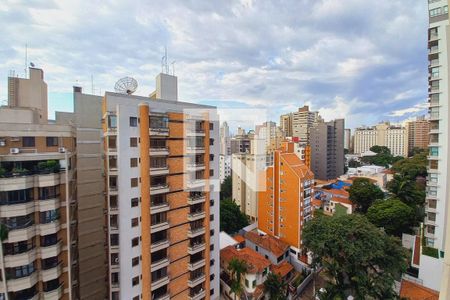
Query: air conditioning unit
(116,260)
(2,143)
(14,150)
(61,150)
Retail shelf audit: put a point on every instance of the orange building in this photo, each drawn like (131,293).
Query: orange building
(285,205)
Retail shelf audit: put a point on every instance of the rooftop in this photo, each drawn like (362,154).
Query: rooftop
(255,261)
(226,240)
(268,242)
(282,269)
(414,291)
(239,238)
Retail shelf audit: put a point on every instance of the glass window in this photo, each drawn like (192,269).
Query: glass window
(28,141)
(49,216)
(133,122)
(159,122)
(112,121)
(133,142)
(133,162)
(134,222)
(135,242)
(135,261)
(134,182)
(134,202)
(52,141)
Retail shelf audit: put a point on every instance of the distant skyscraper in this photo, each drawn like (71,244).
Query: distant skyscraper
(327,149)
(347,138)
(225,143)
(302,121)
(286,124)
(418,133)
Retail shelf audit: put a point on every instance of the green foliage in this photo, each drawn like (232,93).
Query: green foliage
(19,171)
(353,163)
(393,215)
(406,190)
(380,150)
(275,287)
(363,193)
(340,210)
(2,172)
(237,268)
(383,157)
(433,252)
(412,167)
(226,188)
(360,259)
(51,166)
(231,217)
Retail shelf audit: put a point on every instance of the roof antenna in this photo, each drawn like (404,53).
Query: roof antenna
(164,64)
(26,60)
(173,68)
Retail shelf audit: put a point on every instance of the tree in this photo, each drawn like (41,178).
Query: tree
(380,150)
(363,193)
(353,163)
(412,167)
(360,259)
(237,268)
(393,215)
(406,190)
(231,217)
(275,286)
(226,188)
(383,157)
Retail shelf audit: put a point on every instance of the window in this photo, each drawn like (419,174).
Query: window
(211,142)
(211,247)
(134,222)
(158,274)
(211,217)
(211,232)
(246,282)
(114,239)
(158,162)
(135,281)
(254,284)
(136,297)
(49,216)
(159,218)
(133,142)
(135,242)
(159,122)
(112,121)
(133,162)
(211,262)
(135,261)
(157,143)
(211,292)
(211,157)
(28,141)
(211,126)
(52,141)
(134,182)
(134,202)
(256,248)
(211,172)
(133,122)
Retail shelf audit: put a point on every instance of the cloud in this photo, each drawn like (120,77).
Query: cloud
(418,108)
(364,56)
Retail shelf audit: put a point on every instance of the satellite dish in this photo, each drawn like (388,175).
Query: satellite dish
(126,85)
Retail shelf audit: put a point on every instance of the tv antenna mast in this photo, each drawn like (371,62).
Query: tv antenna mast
(164,64)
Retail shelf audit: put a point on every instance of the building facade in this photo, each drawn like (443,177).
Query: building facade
(285,205)
(347,139)
(38,206)
(327,149)
(162,179)
(418,133)
(225,142)
(224,167)
(435,272)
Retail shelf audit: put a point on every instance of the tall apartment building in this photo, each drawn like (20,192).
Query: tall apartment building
(327,149)
(161,158)
(302,121)
(38,197)
(418,133)
(437,208)
(246,169)
(394,137)
(285,205)
(225,142)
(241,142)
(347,138)
(271,134)
(224,167)
(286,124)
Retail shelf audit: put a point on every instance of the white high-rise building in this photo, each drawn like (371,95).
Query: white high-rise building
(434,272)
(225,141)
(224,167)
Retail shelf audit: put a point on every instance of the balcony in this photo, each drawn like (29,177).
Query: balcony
(156,284)
(197,215)
(196,199)
(20,259)
(55,294)
(196,183)
(49,228)
(161,297)
(159,207)
(195,149)
(159,171)
(196,280)
(433,37)
(22,234)
(433,50)
(159,245)
(428,234)
(49,204)
(195,166)
(160,226)
(51,273)
(15,210)
(434,116)
(159,131)
(428,221)
(195,265)
(15,285)
(160,151)
(159,189)
(195,248)
(197,296)
(197,131)
(434,131)
(51,250)
(159,264)
(48,179)
(16,182)
(196,232)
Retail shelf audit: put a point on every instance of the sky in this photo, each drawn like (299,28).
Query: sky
(364,61)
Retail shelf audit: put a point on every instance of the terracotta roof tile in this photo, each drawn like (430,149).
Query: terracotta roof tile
(341,200)
(282,269)
(274,245)
(414,291)
(316,202)
(239,238)
(255,261)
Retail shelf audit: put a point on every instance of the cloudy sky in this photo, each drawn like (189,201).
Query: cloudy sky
(364,60)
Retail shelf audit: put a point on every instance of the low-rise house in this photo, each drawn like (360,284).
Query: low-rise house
(270,247)
(258,268)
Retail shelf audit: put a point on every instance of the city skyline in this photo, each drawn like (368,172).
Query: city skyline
(371,65)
